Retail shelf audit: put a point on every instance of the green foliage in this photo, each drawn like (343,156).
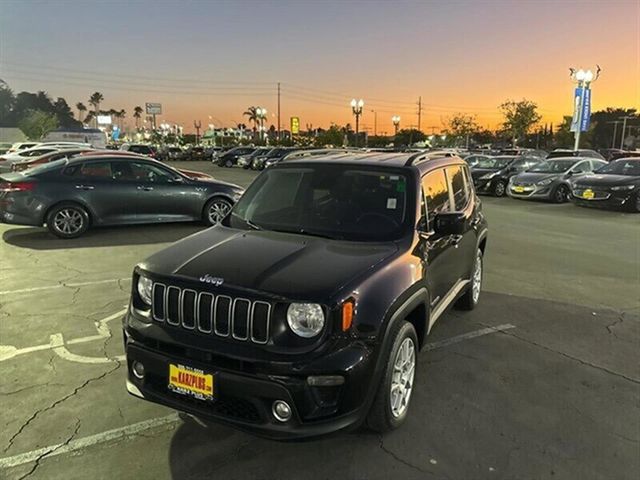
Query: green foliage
(378,141)
(461,126)
(519,118)
(564,137)
(334,136)
(408,136)
(604,126)
(36,124)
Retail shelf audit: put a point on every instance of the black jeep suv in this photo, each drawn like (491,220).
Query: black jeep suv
(303,311)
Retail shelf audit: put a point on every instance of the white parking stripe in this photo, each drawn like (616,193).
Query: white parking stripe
(131,430)
(74,445)
(62,285)
(468,336)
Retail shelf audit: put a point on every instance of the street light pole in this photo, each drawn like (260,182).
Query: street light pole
(624,127)
(375,123)
(584,79)
(197,125)
(396,122)
(356,108)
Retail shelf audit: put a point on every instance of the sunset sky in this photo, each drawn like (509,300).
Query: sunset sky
(208,61)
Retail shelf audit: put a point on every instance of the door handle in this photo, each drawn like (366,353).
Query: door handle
(455,239)
(85,187)
(146,189)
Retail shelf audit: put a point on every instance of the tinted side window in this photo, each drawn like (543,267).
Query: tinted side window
(97,170)
(436,193)
(458,187)
(140,172)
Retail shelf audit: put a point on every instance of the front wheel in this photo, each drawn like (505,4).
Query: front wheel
(391,403)
(561,194)
(472,296)
(67,220)
(499,188)
(215,210)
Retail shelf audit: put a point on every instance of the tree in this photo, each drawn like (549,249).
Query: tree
(252,113)
(519,117)
(604,123)
(7,105)
(95,100)
(334,136)
(36,124)
(484,137)
(64,114)
(564,137)
(81,108)
(137,113)
(408,136)
(462,126)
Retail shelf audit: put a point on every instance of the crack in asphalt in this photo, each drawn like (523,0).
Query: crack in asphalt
(618,321)
(56,403)
(401,460)
(571,357)
(37,461)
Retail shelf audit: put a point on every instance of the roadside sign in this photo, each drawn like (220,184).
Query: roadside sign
(153,108)
(581,109)
(295,125)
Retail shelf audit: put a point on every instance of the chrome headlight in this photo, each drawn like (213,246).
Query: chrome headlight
(305,319)
(622,188)
(145,286)
(488,176)
(544,182)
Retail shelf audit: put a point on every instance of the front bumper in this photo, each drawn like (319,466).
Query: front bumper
(245,390)
(483,185)
(603,198)
(530,191)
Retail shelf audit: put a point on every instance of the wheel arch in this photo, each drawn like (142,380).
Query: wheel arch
(63,202)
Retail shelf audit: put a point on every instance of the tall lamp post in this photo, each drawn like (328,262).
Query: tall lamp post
(262,114)
(396,122)
(583,79)
(197,125)
(356,108)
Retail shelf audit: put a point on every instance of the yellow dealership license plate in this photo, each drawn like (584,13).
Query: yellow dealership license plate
(190,381)
(518,189)
(588,194)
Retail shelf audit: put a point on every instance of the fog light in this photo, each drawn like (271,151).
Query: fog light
(138,370)
(281,410)
(325,380)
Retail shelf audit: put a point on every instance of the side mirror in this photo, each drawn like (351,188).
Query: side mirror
(449,223)
(569,173)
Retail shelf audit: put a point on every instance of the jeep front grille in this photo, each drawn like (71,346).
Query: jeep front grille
(220,315)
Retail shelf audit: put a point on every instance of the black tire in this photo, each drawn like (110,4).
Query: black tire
(209,216)
(560,194)
(499,188)
(635,205)
(67,220)
(228,163)
(381,418)
(470,300)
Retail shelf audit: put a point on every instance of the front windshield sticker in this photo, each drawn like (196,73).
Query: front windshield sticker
(392,203)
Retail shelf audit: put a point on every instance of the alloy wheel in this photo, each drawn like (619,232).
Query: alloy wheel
(68,221)
(561,194)
(499,189)
(404,368)
(218,210)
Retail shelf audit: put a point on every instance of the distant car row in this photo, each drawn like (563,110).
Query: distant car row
(585,181)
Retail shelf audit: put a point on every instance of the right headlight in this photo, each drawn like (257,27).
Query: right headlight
(623,188)
(144,289)
(305,319)
(546,181)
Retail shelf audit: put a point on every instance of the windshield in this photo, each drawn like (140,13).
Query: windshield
(621,167)
(556,166)
(340,202)
(493,163)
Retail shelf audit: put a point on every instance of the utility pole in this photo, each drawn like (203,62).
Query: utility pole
(419,112)
(279,138)
(375,123)
(615,132)
(197,125)
(624,127)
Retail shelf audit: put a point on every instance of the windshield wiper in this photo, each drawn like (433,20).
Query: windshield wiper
(304,231)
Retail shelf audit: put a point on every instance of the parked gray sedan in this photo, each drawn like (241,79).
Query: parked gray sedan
(550,180)
(71,195)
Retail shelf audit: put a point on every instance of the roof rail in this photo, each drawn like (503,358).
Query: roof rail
(315,151)
(416,157)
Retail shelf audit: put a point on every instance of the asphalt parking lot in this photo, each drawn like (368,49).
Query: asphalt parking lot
(542,380)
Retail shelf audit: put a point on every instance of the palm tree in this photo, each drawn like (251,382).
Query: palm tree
(252,113)
(137,113)
(81,108)
(121,115)
(95,100)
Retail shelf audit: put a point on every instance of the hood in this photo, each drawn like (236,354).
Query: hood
(285,265)
(478,172)
(535,177)
(596,180)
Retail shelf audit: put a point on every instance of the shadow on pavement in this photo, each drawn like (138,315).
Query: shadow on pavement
(553,397)
(40,239)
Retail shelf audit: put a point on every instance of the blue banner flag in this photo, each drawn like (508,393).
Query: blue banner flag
(581,109)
